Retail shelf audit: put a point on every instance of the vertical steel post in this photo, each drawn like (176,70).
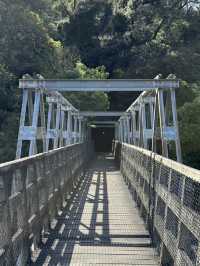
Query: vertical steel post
(162,122)
(128,128)
(22,122)
(50,111)
(75,128)
(69,127)
(36,109)
(152,105)
(144,126)
(61,143)
(133,116)
(57,129)
(79,130)
(121,131)
(140,118)
(175,123)
(43,123)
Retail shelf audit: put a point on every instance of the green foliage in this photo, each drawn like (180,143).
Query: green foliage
(76,39)
(186,93)
(91,73)
(96,101)
(189,123)
(9,108)
(84,29)
(29,44)
(136,36)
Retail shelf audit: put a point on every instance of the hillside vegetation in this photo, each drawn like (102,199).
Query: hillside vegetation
(101,39)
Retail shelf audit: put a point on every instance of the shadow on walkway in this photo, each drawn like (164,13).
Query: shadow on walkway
(85,221)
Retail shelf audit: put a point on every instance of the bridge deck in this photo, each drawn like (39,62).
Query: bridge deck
(101,225)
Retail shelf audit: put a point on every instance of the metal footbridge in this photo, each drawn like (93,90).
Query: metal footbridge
(63,204)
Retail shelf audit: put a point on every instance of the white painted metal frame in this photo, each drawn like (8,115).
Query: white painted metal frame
(101,114)
(150,126)
(144,124)
(57,131)
(98,85)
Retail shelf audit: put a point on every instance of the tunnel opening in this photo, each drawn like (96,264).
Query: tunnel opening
(103,138)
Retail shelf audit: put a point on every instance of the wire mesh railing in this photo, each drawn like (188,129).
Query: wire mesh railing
(32,192)
(168,196)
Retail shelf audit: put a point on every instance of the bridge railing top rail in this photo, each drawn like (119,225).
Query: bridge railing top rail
(183,169)
(4,167)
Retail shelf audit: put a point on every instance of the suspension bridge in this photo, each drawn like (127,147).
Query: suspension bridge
(63,204)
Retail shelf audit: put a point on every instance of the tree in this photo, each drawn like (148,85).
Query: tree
(9,109)
(97,101)
(130,38)
(189,123)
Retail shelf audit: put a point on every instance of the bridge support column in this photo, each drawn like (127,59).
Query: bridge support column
(57,128)
(146,125)
(152,107)
(36,110)
(117,132)
(75,128)
(69,128)
(142,125)
(128,128)
(167,129)
(124,130)
(62,125)
(134,133)
(80,128)
(22,122)
(121,131)
(175,123)
(50,111)
(31,132)
(162,123)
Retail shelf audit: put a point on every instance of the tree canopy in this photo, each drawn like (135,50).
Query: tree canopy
(100,39)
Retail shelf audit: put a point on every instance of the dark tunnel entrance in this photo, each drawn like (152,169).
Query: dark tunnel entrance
(103,137)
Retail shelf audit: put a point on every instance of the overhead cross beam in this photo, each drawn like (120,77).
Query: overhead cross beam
(105,114)
(102,126)
(98,85)
(103,122)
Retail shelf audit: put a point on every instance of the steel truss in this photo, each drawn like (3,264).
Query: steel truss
(151,122)
(48,121)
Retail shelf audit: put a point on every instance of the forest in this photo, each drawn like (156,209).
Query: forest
(100,39)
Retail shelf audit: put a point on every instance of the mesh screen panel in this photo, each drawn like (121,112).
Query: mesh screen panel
(168,193)
(32,193)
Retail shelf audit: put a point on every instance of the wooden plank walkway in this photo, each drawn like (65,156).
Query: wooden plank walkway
(101,226)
